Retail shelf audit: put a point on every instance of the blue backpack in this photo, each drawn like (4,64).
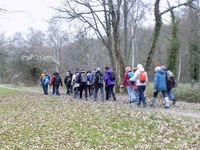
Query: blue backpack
(46,80)
(130,75)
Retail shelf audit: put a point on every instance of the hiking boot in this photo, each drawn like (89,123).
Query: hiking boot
(166,107)
(174,102)
(138,104)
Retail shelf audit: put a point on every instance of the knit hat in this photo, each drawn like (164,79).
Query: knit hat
(139,66)
(127,69)
(98,69)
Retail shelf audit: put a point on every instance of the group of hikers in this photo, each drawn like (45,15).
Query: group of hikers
(135,80)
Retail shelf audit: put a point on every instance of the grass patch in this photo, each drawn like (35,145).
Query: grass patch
(8,92)
(46,122)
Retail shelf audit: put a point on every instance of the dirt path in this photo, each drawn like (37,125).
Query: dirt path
(184,109)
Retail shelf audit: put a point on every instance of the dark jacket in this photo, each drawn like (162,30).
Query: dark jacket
(98,79)
(58,80)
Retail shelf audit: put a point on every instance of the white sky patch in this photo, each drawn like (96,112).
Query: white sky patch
(35,14)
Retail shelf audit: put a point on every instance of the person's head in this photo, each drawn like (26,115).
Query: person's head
(98,69)
(82,70)
(45,72)
(127,69)
(107,68)
(67,73)
(139,66)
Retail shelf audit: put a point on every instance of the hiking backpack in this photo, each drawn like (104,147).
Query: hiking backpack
(83,77)
(57,80)
(46,80)
(130,75)
(170,75)
(99,78)
(67,80)
(142,76)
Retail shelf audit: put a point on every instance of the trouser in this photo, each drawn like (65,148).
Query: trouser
(136,93)
(166,99)
(83,87)
(96,89)
(69,89)
(90,89)
(53,88)
(142,98)
(57,90)
(130,93)
(109,89)
(45,89)
(171,95)
(76,92)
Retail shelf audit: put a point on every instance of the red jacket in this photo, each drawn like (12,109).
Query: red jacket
(52,79)
(126,81)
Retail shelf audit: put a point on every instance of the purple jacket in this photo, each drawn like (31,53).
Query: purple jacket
(107,77)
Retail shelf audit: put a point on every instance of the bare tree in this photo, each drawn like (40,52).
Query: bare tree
(136,12)
(103,16)
(57,39)
(158,24)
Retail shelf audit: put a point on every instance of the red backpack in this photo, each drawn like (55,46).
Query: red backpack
(142,76)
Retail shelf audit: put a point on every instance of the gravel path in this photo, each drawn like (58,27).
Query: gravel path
(184,109)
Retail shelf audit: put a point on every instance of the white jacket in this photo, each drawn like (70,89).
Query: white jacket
(136,77)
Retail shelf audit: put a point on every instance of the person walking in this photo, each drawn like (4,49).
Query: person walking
(129,84)
(82,79)
(98,84)
(52,79)
(160,85)
(109,78)
(68,83)
(141,79)
(45,81)
(57,83)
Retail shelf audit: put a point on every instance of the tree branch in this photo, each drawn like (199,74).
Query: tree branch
(174,7)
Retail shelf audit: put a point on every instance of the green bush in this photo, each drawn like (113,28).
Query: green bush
(186,92)
(183,92)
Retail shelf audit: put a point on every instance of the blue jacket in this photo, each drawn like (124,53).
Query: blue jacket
(160,80)
(46,77)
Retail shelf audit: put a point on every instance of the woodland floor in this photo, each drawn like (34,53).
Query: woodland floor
(30,120)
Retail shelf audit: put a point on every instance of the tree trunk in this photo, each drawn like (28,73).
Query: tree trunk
(117,51)
(179,68)
(126,31)
(158,25)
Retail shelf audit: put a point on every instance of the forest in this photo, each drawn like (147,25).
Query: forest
(114,33)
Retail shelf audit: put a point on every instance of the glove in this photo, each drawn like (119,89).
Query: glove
(121,86)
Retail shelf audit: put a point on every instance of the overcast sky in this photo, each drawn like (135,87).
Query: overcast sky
(36,13)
